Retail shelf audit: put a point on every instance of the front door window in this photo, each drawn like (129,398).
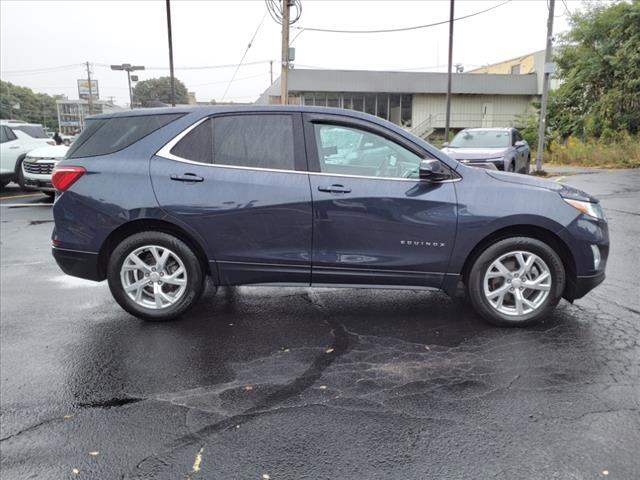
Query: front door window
(350,151)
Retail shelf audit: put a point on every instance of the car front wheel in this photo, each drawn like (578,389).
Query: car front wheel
(516,281)
(155,276)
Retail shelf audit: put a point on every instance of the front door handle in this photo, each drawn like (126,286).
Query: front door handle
(14,147)
(187,177)
(334,189)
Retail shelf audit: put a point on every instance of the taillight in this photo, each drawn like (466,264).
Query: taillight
(63,177)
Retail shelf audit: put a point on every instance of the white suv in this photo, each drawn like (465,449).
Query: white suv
(16,140)
(38,166)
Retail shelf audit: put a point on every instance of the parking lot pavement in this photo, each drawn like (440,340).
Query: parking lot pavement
(297,383)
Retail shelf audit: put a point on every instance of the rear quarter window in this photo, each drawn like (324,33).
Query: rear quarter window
(109,135)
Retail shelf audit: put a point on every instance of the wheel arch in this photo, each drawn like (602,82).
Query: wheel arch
(144,225)
(532,231)
(19,161)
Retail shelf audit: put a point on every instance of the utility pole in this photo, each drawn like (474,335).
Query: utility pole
(271,71)
(173,86)
(90,89)
(448,115)
(284,76)
(545,88)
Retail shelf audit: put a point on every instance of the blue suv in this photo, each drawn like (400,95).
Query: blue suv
(156,200)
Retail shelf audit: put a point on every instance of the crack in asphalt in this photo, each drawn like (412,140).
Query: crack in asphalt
(32,427)
(110,403)
(339,346)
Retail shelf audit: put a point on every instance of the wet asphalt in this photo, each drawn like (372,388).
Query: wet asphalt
(278,383)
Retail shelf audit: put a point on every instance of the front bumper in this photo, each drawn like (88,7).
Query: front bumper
(579,287)
(37,173)
(42,185)
(79,264)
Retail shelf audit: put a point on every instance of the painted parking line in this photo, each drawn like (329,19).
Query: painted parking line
(27,195)
(559,179)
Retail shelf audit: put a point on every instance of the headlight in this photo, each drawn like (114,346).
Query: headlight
(592,209)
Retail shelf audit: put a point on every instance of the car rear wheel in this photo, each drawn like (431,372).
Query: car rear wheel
(155,276)
(516,282)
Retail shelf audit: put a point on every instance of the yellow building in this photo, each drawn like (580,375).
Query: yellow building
(526,64)
(515,66)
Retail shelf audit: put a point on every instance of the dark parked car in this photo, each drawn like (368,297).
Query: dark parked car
(154,201)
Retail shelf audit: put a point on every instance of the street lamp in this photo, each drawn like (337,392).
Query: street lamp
(127,67)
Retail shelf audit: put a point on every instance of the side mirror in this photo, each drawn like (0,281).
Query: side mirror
(432,170)
(520,143)
(445,144)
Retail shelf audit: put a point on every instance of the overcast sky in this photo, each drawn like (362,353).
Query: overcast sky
(38,35)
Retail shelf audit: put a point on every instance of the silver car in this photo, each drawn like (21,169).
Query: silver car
(503,148)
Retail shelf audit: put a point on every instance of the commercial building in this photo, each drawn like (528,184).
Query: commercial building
(531,63)
(415,100)
(72,113)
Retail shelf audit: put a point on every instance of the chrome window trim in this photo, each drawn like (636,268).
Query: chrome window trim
(165,152)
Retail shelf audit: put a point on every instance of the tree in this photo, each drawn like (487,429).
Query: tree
(156,90)
(22,103)
(599,66)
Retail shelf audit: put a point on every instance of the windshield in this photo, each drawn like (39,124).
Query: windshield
(481,139)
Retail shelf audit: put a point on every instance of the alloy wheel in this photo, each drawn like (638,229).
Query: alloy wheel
(517,283)
(153,277)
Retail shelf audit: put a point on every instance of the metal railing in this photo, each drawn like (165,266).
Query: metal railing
(424,128)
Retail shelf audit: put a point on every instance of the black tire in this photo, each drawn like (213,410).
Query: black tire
(4,183)
(512,166)
(20,174)
(475,287)
(527,168)
(51,195)
(194,271)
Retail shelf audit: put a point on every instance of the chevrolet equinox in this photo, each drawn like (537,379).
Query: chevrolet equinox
(154,201)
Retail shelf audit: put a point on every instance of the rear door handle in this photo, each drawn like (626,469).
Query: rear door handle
(187,177)
(14,147)
(334,189)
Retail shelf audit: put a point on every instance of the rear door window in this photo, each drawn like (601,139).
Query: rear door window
(109,135)
(254,141)
(197,145)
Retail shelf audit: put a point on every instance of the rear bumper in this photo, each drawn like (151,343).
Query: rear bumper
(78,264)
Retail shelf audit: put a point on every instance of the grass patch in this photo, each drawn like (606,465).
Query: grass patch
(623,153)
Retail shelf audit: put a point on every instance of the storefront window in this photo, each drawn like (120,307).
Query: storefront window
(383,106)
(405,113)
(370,104)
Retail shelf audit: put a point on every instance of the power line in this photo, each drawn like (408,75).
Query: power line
(276,11)
(203,67)
(403,29)
(36,71)
(244,55)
